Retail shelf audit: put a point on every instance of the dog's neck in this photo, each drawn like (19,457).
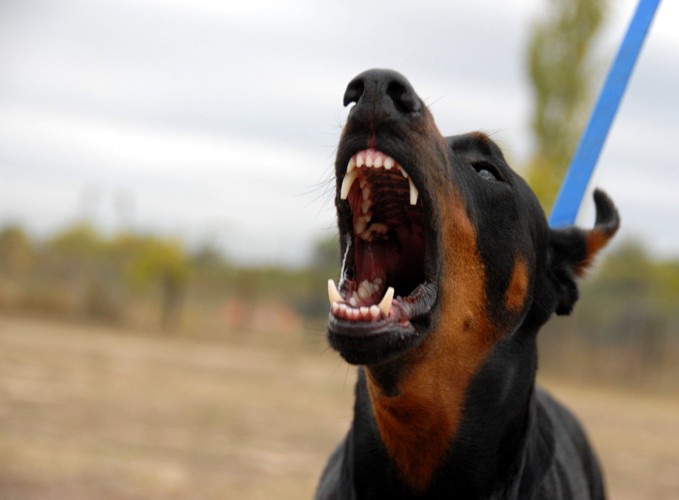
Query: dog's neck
(419,410)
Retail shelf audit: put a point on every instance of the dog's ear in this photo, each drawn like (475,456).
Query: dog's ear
(572,250)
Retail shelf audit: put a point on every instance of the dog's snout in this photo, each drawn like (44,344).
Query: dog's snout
(382,91)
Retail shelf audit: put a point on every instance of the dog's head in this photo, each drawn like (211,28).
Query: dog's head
(439,236)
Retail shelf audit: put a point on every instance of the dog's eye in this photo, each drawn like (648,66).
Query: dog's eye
(486,171)
(485,174)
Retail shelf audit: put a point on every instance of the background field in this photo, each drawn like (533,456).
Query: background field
(93,412)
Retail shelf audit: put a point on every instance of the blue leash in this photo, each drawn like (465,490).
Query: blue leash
(589,148)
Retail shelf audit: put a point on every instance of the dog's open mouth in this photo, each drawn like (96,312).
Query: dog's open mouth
(384,285)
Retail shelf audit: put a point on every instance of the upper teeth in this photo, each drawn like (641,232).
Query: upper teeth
(413,192)
(349,179)
(371,158)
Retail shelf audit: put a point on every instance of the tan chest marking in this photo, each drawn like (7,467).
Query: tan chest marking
(418,424)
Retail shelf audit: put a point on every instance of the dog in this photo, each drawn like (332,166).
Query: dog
(449,269)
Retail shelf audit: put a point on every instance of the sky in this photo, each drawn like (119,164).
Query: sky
(217,122)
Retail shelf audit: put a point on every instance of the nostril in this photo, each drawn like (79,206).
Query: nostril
(354,92)
(403,97)
(382,91)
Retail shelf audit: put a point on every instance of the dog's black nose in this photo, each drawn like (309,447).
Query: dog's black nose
(384,91)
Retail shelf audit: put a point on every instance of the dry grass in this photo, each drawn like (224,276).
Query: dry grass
(90,412)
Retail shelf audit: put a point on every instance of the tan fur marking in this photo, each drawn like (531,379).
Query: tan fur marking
(482,136)
(515,297)
(596,240)
(418,424)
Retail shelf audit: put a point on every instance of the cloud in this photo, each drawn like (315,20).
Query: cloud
(221,119)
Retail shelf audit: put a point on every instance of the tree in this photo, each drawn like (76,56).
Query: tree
(632,300)
(78,263)
(16,252)
(325,259)
(561,75)
(154,261)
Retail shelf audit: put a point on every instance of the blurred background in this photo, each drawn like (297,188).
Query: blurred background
(167,229)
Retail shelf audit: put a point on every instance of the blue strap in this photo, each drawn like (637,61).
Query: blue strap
(587,153)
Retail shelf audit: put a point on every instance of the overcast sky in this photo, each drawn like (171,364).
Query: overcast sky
(217,121)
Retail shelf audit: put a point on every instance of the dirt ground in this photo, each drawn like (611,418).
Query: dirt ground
(90,412)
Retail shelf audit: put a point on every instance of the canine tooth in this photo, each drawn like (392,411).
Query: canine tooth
(374,312)
(385,303)
(360,160)
(333,293)
(388,162)
(413,192)
(335,307)
(403,172)
(352,164)
(348,180)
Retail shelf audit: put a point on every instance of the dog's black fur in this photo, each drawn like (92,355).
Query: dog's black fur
(446,403)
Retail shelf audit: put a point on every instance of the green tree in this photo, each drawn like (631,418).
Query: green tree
(561,74)
(324,264)
(325,259)
(78,263)
(72,255)
(632,299)
(16,252)
(211,273)
(150,261)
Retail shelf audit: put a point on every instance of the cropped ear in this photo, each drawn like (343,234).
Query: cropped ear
(572,250)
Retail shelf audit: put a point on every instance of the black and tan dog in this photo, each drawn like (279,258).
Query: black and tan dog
(449,269)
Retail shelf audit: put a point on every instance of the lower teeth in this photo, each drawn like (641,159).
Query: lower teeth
(352,310)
